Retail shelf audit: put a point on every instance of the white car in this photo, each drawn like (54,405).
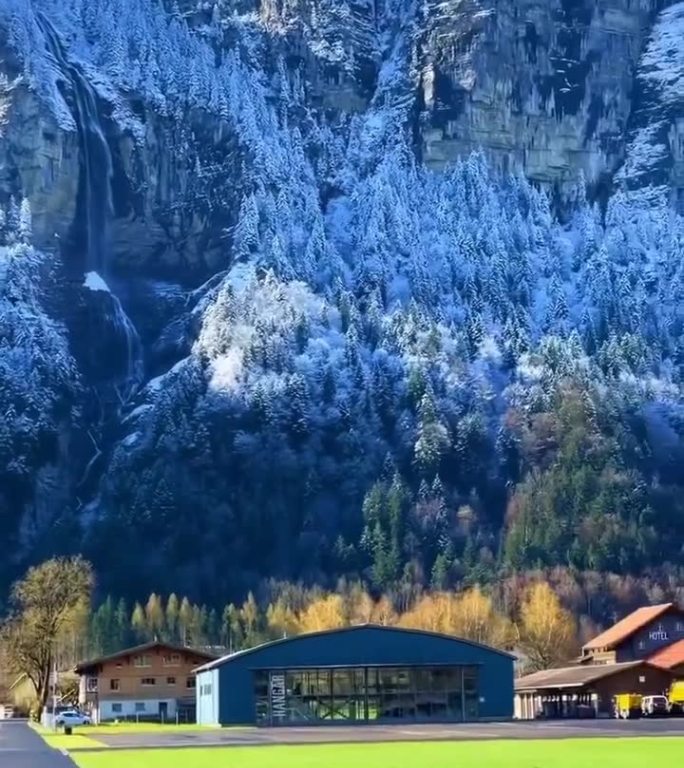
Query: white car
(72,717)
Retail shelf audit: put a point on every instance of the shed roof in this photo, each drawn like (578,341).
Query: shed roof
(626,627)
(670,656)
(341,630)
(574,677)
(85,665)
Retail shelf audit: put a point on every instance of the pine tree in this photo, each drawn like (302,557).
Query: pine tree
(25,224)
(172,609)
(139,623)
(433,437)
(185,621)
(154,616)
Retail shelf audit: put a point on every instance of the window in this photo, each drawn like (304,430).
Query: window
(114,684)
(148,681)
(172,660)
(679,627)
(142,661)
(190,682)
(117,709)
(205,690)
(91,685)
(642,645)
(170,680)
(366,694)
(139,706)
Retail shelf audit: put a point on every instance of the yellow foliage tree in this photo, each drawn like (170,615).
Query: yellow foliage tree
(547,633)
(470,615)
(475,618)
(384,613)
(326,612)
(281,620)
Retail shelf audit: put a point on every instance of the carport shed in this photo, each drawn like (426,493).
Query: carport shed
(585,690)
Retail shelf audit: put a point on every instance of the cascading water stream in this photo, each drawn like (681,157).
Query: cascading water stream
(97,206)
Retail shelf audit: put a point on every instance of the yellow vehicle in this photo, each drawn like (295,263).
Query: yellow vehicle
(675,697)
(626,705)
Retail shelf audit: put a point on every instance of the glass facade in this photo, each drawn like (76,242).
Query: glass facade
(366,694)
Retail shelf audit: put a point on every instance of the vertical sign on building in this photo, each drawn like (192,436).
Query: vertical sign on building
(277,697)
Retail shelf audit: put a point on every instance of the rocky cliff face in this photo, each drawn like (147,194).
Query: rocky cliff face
(558,88)
(547,86)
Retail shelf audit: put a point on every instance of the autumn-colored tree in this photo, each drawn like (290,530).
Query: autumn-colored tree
(384,613)
(358,605)
(154,616)
(249,613)
(547,633)
(172,608)
(475,618)
(184,620)
(326,612)
(139,623)
(232,633)
(281,620)
(45,603)
(470,615)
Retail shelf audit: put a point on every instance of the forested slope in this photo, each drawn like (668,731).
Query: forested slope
(252,330)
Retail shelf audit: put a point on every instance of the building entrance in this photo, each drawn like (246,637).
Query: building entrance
(366,694)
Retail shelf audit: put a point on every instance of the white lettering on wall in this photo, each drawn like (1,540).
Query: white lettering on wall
(658,634)
(277,695)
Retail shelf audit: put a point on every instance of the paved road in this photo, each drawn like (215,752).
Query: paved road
(20,747)
(327,734)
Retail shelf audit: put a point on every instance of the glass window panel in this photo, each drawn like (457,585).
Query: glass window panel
(375,693)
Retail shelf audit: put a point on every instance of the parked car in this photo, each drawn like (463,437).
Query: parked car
(654,706)
(72,717)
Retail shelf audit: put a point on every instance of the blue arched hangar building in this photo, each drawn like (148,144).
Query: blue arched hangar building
(359,674)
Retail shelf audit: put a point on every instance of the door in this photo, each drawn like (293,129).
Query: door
(163,711)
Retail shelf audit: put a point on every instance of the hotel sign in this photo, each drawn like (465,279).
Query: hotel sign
(277,696)
(658,634)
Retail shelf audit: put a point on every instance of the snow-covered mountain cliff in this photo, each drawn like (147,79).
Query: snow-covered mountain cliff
(327,287)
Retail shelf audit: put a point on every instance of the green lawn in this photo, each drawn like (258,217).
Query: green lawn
(576,753)
(85,737)
(113,729)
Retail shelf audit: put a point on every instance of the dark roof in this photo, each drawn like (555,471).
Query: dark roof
(628,626)
(670,656)
(84,665)
(575,676)
(338,630)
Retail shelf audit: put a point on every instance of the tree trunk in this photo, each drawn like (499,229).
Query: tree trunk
(44,687)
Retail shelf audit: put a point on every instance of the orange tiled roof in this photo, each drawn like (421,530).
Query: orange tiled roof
(670,656)
(627,626)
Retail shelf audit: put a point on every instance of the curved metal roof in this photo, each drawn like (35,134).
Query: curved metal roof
(341,630)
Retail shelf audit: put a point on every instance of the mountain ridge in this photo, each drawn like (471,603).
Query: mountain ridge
(357,361)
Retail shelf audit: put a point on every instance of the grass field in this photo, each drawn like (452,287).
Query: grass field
(114,728)
(86,737)
(575,753)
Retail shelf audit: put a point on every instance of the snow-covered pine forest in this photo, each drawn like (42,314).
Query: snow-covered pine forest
(403,375)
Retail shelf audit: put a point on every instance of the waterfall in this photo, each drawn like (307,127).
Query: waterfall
(97,207)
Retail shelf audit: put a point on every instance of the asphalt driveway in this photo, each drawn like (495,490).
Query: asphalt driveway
(20,747)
